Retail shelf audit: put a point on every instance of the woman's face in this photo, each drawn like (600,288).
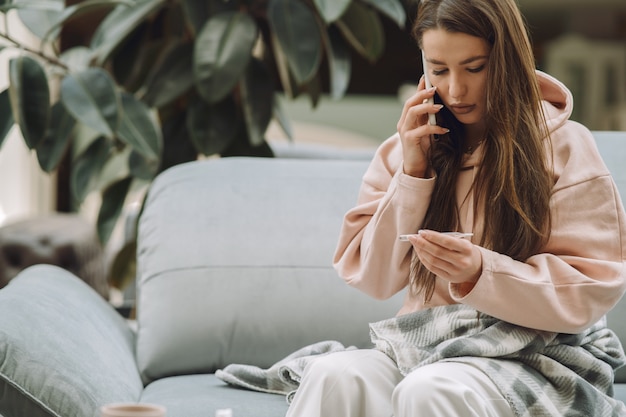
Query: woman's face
(457,66)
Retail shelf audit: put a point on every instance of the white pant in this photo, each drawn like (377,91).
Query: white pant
(367,383)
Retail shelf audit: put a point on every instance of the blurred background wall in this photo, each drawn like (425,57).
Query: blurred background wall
(24,189)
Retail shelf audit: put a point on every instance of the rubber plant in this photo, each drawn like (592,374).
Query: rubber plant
(161,82)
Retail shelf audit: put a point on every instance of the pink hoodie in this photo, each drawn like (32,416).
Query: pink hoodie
(577,278)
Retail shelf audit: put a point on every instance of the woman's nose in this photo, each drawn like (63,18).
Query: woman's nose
(457,87)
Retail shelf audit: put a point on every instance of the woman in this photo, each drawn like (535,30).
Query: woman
(488,321)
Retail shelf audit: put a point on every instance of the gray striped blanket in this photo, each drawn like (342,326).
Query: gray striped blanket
(541,374)
(281,378)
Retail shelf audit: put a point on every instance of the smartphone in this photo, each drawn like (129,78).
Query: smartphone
(432,119)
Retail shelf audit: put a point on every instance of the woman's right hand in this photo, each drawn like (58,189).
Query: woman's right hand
(416,133)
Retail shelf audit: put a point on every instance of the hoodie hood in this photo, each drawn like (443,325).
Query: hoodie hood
(557,101)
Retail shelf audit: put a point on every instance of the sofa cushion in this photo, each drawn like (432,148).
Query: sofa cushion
(202,395)
(64,351)
(240,251)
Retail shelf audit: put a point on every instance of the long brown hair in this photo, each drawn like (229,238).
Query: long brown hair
(513,183)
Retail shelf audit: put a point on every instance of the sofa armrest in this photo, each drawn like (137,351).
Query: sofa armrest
(613,152)
(64,351)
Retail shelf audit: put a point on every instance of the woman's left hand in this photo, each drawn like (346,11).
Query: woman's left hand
(456,260)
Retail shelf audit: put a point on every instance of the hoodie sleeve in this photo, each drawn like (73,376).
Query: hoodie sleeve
(369,255)
(580,274)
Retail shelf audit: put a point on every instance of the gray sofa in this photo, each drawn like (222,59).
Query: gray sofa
(234,266)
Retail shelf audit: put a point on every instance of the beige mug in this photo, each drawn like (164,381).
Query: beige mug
(132,410)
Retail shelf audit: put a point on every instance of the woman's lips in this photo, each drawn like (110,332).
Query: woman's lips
(462,108)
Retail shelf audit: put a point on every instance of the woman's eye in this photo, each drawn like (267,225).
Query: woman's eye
(477,69)
(438,72)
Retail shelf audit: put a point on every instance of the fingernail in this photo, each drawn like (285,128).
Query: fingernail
(446,130)
(438,106)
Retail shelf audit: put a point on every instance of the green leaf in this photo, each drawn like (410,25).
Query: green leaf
(314,90)
(87,166)
(178,146)
(257,95)
(198,12)
(136,56)
(6,116)
(297,32)
(141,167)
(339,60)
(118,24)
(212,127)
(363,29)
(76,59)
(82,136)
(90,96)
(281,117)
(39,16)
(391,8)
(139,129)
(222,52)
(57,139)
(56,5)
(171,77)
(115,167)
(80,10)
(30,98)
(330,10)
(124,266)
(339,63)
(282,65)
(113,198)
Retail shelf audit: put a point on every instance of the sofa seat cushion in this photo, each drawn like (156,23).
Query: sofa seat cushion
(201,395)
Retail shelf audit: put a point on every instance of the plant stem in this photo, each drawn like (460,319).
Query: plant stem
(50,59)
